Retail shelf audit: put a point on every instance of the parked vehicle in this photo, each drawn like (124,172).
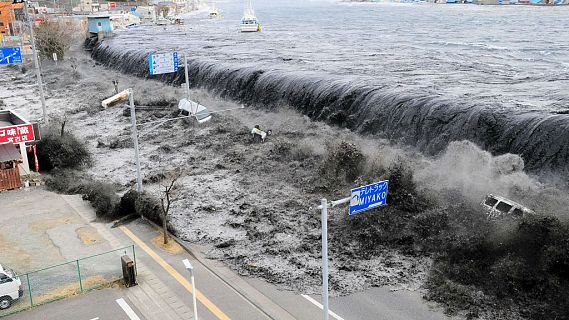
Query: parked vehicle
(498,207)
(10,287)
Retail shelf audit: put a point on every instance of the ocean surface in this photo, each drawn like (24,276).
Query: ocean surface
(421,74)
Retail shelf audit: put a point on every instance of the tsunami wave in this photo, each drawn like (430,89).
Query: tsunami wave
(429,123)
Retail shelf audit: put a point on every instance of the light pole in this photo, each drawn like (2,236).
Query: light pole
(36,63)
(123,95)
(190,268)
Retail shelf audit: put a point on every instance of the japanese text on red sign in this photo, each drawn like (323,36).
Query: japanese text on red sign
(17,134)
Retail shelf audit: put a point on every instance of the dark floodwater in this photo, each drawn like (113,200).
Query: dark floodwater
(423,74)
(517,56)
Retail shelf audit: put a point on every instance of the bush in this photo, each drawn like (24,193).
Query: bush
(101,195)
(142,204)
(55,37)
(57,150)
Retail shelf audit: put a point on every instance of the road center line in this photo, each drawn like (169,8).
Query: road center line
(316,303)
(176,275)
(127,309)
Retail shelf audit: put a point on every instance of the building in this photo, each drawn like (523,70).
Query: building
(10,160)
(99,26)
(8,14)
(15,134)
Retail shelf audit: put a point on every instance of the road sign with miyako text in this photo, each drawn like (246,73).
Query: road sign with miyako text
(17,134)
(368,197)
(160,63)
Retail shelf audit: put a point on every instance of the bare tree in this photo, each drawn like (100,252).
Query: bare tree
(55,37)
(168,195)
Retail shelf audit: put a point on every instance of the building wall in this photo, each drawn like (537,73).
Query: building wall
(7,16)
(99,25)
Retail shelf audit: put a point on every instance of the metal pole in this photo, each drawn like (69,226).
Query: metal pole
(187,85)
(37,65)
(79,273)
(324,258)
(135,140)
(194,294)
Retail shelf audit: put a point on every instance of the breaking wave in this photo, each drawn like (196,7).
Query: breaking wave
(429,123)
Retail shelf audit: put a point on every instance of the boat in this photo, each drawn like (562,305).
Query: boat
(214,12)
(249,22)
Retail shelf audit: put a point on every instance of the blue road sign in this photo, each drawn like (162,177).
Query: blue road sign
(368,197)
(163,62)
(11,55)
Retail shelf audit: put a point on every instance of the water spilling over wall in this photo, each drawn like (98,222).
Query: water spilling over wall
(427,122)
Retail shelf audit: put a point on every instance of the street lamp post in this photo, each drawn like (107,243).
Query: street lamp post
(36,62)
(190,268)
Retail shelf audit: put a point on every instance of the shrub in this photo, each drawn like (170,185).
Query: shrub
(57,150)
(101,195)
(55,37)
(142,204)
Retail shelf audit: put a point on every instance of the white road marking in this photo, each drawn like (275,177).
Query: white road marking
(97,318)
(316,303)
(127,309)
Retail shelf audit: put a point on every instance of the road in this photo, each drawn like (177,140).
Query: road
(106,304)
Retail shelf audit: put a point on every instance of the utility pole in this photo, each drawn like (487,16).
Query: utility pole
(135,140)
(187,84)
(36,63)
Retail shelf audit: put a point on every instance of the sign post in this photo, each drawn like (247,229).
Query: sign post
(362,199)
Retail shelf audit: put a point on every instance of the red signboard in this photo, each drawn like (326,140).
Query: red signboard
(17,134)
(112,5)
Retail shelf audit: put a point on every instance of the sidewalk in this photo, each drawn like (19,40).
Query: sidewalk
(151,296)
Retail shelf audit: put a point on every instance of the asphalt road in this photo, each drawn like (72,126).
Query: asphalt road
(96,305)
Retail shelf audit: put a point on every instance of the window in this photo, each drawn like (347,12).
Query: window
(518,213)
(490,201)
(503,207)
(99,24)
(4,278)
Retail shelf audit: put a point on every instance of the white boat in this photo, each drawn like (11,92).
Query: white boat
(214,12)
(249,22)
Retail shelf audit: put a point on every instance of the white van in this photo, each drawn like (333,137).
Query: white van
(10,287)
(498,207)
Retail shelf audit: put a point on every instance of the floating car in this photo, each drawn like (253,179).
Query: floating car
(498,207)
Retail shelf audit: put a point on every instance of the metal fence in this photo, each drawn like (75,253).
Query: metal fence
(70,278)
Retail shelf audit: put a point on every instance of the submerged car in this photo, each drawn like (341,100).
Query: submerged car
(498,207)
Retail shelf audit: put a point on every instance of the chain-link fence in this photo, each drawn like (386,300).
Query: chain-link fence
(63,280)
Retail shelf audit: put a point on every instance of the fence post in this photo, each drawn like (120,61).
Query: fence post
(29,289)
(79,273)
(134,258)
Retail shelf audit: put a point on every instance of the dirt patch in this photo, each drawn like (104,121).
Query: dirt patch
(43,224)
(14,252)
(172,247)
(89,235)
(74,288)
